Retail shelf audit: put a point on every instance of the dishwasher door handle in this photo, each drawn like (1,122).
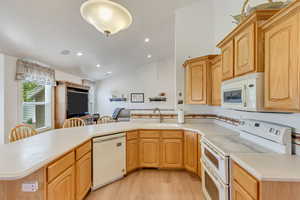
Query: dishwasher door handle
(108,139)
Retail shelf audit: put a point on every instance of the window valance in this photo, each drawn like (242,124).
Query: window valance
(30,71)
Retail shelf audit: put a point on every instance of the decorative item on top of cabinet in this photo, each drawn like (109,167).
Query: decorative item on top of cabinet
(216,79)
(198,80)
(242,49)
(191,151)
(282,83)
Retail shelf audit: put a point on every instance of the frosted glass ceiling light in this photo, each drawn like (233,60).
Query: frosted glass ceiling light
(106,16)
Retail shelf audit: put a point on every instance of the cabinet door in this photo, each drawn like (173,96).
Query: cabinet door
(216,71)
(190,151)
(239,193)
(149,152)
(199,158)
(63,187)
(132,155)
(244,51)
(83,176)
(281,65)
(196,83)
(171,153)
(227,61)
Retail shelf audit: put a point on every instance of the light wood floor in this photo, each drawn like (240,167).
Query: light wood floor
(152,185)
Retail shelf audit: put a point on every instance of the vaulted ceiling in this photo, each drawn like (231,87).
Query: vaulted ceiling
(41,30)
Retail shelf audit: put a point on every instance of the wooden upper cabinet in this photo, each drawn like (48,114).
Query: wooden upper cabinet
(216,81)
(227,60)
(244,51)
(198,80)
(191,151)
(281,64)
(149,152)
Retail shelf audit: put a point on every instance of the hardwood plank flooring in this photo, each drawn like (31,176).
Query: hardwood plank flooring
(152,185)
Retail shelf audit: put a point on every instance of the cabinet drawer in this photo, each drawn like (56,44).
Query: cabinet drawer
(172,134)
(83,149)
(60,165)
(149,134)
(245,180)
(132,135)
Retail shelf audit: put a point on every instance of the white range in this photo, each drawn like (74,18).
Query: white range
(255,137)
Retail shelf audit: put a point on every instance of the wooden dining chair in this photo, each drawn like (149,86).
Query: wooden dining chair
(21,131)
(105,120)
(73,122)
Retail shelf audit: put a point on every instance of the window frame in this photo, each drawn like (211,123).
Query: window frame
(49,106)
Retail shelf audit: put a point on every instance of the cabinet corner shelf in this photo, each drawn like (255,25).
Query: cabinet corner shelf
(156,99)
(118,99)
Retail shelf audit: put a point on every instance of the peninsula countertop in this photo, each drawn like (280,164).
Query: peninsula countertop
(22,158)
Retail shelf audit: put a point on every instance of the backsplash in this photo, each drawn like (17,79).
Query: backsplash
(228,120)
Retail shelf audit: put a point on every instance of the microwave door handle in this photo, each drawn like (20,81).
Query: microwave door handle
(245,96)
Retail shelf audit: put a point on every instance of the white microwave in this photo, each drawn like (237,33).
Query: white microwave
(244,93)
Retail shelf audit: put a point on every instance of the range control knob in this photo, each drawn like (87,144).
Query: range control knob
(277,132)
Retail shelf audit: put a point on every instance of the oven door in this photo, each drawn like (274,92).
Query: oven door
(218,162)
(213,187)
(234,95)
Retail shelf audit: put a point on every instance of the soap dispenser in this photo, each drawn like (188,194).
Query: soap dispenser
(180,115)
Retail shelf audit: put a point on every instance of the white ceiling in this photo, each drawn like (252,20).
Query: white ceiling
(40,30)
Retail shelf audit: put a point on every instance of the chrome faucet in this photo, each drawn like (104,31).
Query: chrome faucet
(155,110)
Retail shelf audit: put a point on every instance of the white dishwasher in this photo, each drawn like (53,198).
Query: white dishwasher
(109,159)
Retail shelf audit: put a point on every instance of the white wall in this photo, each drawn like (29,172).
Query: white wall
(63,76)
(150,79)
(2,97)
(193,38)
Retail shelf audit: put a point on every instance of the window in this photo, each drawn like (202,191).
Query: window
(36,105)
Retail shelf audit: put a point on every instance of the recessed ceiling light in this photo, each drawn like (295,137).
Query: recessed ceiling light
(149,56)
(79,54)
(98,65)
(65,52)
(147,40)
(107,73)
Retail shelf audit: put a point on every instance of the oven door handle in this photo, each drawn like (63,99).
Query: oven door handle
(211,150)
(245,96)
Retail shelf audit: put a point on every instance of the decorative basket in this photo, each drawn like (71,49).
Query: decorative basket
(246,12)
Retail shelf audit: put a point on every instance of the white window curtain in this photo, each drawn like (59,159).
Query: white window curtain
(34,72)
(92,97)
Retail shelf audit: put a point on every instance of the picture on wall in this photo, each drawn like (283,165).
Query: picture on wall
(137,98)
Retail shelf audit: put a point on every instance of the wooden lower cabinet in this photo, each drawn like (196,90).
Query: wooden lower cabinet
(191,151)
(132,155)
(83,176)
(62,187)
(239,193)
(149,152)
(199,157)
(171,153)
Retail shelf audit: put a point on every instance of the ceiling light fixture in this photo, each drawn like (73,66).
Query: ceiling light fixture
(147,40)
(149,56)
(106,16)
(79,54)
(98,65)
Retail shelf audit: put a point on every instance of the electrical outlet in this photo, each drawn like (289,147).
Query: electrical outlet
(30,187)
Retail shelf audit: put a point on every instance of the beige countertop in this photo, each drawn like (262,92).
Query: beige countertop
(22,158)
(270,167)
